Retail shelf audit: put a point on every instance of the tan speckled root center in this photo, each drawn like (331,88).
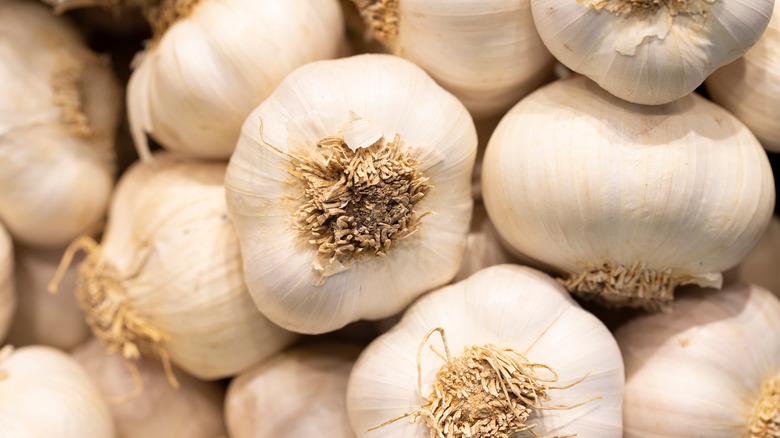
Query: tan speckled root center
(381,19)
(643,8)
(766,417)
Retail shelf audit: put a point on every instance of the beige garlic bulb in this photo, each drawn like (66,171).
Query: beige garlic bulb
(212,62)
(502,352)
(296,393)
(150,407)
(750,86)
(485,52)
(762,266)
(627,201)
(166,279)
(649,51)
(59,105)
(350,192)
(709,369)
(45,393)
(7,288)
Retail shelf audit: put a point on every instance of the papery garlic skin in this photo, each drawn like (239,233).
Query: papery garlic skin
(45,393)
(7,289)
(508,306)
(59,107)
(750,86)
(699,371)
(193,410)
(193,87)
(655,54)
(581,181)
(296,393)
(361,99)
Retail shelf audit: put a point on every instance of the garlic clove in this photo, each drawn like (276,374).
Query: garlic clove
(8,299)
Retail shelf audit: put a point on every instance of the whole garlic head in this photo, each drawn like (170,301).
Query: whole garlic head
(649,51)
(350,192)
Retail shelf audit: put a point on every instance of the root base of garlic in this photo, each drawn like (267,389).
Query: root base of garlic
(766,419)
(66,82)
(381,17)
(644,8)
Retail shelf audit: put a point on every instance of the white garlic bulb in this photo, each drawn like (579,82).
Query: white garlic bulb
(212,62)
(59,106)
(47,394)
(486,52)
(762,266)
(627,200)
(350,192)
(711,368)
(151,407)
(519,353)
(297,393)
(750,86)
(649,51)
(7,289)
(166,280)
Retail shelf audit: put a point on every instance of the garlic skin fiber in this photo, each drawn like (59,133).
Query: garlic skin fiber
(628,201)
(7,288)
(501,307)
(195,84)
(59,106)
(324,246)
(648,51)
(707,369)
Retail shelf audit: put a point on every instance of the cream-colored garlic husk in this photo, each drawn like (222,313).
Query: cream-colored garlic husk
(8,299)
(397,183)
(518,321)
(707,369)
(43,318)
(649,51)
(195,84)
(486,52)
(762,266)
(750,86)
(151,407)
(627,200)
(45,393)
(484,246)
(59,107)
(166,280)
(297,393)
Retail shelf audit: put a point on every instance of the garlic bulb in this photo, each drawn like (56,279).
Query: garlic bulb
(649,51)
(711,368)
(151,407)
(515,353)
(297,393)
(349,189)
(166,280)
(486,52)
(762,266)
(43,318)
(7,288)
(59,106)
(627,200)
(750,86)
(213,61)
(45,393)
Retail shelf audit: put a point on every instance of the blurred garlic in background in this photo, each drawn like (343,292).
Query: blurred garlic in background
(8,300)
(762,266)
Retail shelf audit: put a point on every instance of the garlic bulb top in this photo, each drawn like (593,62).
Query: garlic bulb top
(7,289)
(486,52)
(627,200)
(515,352)
(349,189)
(59,107)
(45,393)
(711,368)
(194,86)
(649,51)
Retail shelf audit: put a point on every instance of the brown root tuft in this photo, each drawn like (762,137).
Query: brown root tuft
(766,417)
(66,82)
(644,8)
(381,19)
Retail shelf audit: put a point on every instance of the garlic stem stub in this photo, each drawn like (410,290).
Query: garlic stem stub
(711,368)
(505,351)
(213,61)
(59,108)
(350,192)
(8,301)
(627,201)
(649,51)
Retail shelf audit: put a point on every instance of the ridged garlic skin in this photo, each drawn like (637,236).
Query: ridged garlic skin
(7,289)
(392,97)
(192,89)
(46,393)
(651,58)
(699,371)
(59,107)
(296,393)
(750,86)
(575,178)
(509,306)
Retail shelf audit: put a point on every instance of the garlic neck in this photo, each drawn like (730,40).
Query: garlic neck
(381,18)
(766,417)
(644,8)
